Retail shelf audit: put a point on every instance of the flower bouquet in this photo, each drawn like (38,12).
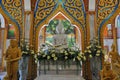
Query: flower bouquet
(25,48)
(93,49)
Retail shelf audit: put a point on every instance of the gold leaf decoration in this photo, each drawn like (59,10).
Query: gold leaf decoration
(44,8)
(76,9)
(14,8)
(105,9)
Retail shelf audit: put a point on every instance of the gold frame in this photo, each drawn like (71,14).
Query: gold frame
(59,9)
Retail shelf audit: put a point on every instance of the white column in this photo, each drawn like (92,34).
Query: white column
(27,5)
(91,5)
(91,24)
(27,26)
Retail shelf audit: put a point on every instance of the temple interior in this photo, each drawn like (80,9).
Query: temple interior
(59,39)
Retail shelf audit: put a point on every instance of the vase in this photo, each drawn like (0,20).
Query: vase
(23,67)
(95,66)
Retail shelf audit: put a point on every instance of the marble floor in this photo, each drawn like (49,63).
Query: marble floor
(69,73)
(59,77)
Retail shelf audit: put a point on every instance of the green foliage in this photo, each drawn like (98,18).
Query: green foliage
(51,28)
(70,41)
(68,27)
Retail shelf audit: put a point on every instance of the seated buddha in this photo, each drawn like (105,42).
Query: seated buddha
(60,38)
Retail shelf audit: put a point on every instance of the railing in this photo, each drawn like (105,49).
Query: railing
(58,66)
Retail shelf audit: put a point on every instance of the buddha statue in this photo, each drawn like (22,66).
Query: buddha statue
(115,59)
(114,54)
(13,54)
(107,73)
(60,38)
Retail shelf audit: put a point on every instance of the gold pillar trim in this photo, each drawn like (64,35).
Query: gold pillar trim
(107,22)
(59,9)
(31,36)
(87,28)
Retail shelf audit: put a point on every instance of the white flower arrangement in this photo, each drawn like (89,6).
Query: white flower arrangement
(63,54)
(93,49)
(26,51)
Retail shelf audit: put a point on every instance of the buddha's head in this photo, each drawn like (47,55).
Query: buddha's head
(60,28)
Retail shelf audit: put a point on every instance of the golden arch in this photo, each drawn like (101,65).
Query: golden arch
(108,22)
(10,21)
(60,9)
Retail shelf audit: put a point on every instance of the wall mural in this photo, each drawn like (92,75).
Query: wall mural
(108,37)
(11,32)
(59,27)
(68,29)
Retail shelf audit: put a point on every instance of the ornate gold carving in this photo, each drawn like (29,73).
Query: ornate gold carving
(75,9)
(108,74)
(11,22)
(13,54)
(115,59)
(112,18)
(14,8)
(60,9)
(45,7)
(105,8)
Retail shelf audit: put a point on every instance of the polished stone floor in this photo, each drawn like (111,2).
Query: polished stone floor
(59,77)
(63,74)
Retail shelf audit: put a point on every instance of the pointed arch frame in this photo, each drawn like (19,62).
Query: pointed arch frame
(46,21)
